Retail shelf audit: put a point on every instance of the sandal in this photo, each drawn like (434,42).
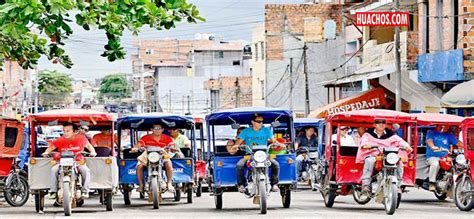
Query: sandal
(171,189)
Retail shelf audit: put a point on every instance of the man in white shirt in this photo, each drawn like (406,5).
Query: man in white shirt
(345,138)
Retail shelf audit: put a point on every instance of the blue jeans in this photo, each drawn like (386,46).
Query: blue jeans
(301,164)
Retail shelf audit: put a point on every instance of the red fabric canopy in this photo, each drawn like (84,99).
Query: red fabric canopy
(437,118)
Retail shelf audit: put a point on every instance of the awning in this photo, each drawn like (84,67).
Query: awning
(460,96)
(371,99)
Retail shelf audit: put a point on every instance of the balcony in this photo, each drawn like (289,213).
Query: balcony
(441,66)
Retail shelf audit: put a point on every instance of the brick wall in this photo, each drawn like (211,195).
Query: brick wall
(227,91)
(413,49)
(295,15)
(468,34)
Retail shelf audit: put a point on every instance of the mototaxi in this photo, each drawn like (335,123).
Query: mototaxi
(445,180)
(183,168)
(103,167)
(314,152)
(13,179)
(343,174)
(464,184)
(222,165)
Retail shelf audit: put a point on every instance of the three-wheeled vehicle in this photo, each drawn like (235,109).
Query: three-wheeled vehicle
(445,179)
(222,165)
(13,180)
(344,174)
(183,168)
(464,185)
(103,167)
(314,165)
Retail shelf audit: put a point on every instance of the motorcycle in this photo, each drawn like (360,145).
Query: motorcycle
(313,168)
(384,181)
(15,186)
(445,177)
(258,181)
(463,188)
(155,182)
(69,184)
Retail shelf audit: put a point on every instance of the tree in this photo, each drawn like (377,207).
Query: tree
(55,88)
(115,86)
(33,28)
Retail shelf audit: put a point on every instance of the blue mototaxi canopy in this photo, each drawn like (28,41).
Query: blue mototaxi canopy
(307,122)
(244,115)
(147,120)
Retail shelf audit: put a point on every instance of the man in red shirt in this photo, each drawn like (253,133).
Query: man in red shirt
(70,141)
(156,139)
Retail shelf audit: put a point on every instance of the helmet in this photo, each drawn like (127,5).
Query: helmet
(446,163)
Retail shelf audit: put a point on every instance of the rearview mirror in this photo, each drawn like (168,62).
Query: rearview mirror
(235,126)
(275,124)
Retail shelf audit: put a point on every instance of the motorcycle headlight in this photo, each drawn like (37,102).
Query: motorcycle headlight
(153,157)
(260,156)
(313,155)
(392,158)
(461,159)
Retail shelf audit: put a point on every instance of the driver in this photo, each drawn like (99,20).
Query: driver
(437,140)
(70,142)
(380,135)
(256,135)
(156,139)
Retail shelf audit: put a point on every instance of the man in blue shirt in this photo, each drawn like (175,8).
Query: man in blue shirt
(439,142)
(257,134)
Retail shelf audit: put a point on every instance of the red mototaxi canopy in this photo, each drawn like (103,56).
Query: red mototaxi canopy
(437,118)
(72,115)
(369,115)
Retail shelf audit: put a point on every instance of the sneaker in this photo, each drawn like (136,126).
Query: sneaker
(53,195)
(275,188)
(241,189)
(85,195)
(432,187)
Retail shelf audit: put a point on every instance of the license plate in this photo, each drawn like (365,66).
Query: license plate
(66,162)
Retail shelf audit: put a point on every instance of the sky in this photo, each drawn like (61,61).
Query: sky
(229,19)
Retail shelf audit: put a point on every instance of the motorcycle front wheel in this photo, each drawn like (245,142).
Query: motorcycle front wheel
(263,197)
(463,202)
(390,198)
(154,191)
(16,191)
(67,199)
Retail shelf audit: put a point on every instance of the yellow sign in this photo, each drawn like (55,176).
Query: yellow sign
(189,72)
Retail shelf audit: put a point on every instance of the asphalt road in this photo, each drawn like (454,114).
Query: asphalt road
(305,204)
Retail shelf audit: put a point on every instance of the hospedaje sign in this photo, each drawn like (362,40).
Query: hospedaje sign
(372,99)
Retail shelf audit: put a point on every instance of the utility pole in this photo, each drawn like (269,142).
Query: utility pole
(169,101)
(193,67)
(157,94)
(4,91)
(36,93)
(291,84)
(189,104)
(305,62)
(237,93)
(183,103)
(398,72)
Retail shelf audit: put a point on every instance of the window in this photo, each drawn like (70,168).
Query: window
(236,62)
(262,48)
(262,87)
(10,136)
(149,51)
(219,54)
(470,139)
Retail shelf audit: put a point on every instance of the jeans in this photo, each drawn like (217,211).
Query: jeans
(83,170)
(369,165)
(434,168)
(241,180)
(301,164)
